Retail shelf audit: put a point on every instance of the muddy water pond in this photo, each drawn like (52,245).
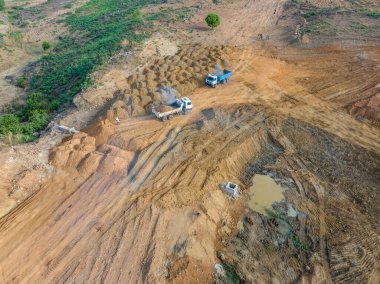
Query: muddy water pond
(263,193)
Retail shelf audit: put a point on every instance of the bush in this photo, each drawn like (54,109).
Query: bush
(2,4)
(212,20)
(46,45)
(21,83)
(68,5)
(38,119)
(9,123)
(37,101)
(375,15)
(28,130)
(54,105)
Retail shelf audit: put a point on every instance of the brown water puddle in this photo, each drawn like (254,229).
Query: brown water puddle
(263,193)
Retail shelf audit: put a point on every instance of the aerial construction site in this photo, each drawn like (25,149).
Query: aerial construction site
(190,141)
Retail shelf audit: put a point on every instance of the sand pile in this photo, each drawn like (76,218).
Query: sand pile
(79,153)
(163,108)
(184,71)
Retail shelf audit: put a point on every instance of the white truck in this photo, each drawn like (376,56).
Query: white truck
(180,106)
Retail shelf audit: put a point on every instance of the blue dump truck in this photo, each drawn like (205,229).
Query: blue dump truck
(213,80)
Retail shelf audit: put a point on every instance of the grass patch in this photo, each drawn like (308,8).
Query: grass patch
(16,36)
(370,13)
(170,15)
(322,27)
(364,29)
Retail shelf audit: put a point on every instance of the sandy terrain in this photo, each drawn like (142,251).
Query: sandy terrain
(140,202)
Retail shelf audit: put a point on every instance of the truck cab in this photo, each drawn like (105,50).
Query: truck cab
(184,103)
(211,80)
(188,104)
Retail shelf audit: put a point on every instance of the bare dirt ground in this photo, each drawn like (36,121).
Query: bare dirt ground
(139,202)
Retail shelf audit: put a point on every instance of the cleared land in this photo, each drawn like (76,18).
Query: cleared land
(139,202)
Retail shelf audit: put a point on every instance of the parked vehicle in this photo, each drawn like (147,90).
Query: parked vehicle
(180,106)
(213,80)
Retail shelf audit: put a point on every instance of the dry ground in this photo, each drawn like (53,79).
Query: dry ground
(140,202)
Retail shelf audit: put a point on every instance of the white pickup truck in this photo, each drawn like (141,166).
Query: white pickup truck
(180,106)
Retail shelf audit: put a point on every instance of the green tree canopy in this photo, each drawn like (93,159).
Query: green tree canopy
(212,20)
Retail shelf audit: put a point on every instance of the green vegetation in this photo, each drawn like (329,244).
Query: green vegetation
(212,20)
(322,27)
(320,12)
(68,5)
(16,36)
(98,28)
(14,13)
(170,15)
(373,14)
(24,125)
(2,5)
(19,15)
(370,13)
(13,131)
(46,45)
(21,83)
(96,32)
(9,123)
(363,29)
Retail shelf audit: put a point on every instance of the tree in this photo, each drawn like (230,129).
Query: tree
(46,45)
(212,20)
(2,4)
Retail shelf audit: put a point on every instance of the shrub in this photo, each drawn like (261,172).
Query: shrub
(2,4)
(16,36)
(28,130)
(137,17)
(212,20)
(375,15)
(46,45)
(54,105)
(9,123)
(37,101)
(21,83)
(38,119)
(68,5)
